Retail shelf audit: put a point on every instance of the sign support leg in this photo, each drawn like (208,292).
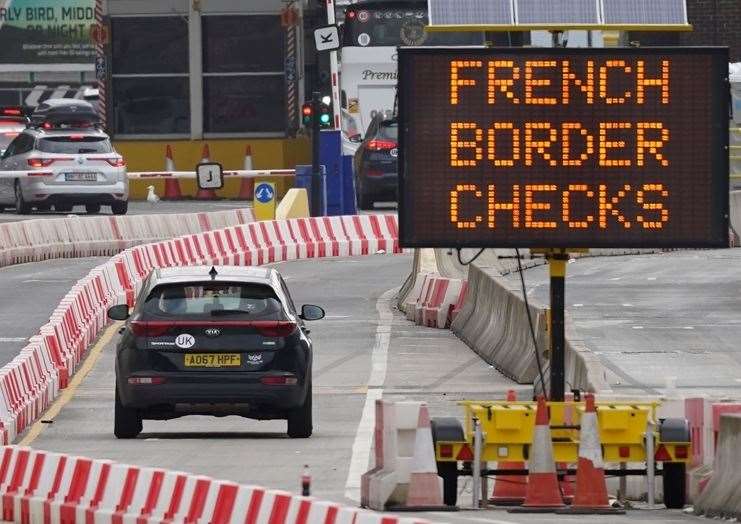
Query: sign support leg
(557,264)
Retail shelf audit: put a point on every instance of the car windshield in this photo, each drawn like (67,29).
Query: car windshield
(234,301)
(75,145)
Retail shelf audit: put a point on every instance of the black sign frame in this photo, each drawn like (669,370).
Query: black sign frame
(717,236)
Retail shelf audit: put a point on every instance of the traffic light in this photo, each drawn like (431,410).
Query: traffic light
(324,114)
(306,112)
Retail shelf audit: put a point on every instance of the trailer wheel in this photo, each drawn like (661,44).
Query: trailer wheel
(675,473)
(448,429)
(675,485)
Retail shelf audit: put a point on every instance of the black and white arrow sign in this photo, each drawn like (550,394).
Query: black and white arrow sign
(327,38)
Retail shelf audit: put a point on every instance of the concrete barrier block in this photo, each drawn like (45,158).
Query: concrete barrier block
(294,205)
(722,495)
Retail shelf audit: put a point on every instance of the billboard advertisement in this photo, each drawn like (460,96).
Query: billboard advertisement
(46,31)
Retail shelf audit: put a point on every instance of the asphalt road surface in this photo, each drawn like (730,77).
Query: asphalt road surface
(139,208)
(363,350)
(30,292)
(650,317)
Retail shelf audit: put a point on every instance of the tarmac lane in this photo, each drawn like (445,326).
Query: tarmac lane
(364,350)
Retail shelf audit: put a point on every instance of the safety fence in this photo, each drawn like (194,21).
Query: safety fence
(42,239)
(40,486)
(31,381)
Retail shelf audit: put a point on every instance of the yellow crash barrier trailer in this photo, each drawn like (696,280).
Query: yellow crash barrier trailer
(502,431)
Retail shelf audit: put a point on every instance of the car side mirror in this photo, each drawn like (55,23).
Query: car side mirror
(309,312)
(119,312)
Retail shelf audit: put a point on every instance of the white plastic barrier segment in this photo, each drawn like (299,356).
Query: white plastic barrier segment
(36,240)
(31,381)
(37,486)
(722,495)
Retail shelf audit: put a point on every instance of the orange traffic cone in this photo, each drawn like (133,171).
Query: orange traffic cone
(567,481)
(509,490)
(206,194)
(543,493)
(248,158)
(169,162)
(247,185)
(425,487)
(172,189)
(591,490)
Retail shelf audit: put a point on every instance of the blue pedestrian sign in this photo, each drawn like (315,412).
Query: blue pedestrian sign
(264,193)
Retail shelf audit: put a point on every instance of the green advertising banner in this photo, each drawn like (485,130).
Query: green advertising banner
(46,31)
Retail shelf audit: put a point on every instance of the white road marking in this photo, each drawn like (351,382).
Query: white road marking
(578,305)
(616,278)
(45,280)
(651,278)
(361,447)
(627,305)
(331,317)
(459,516)
(637,327)
(12,339)
(688,327)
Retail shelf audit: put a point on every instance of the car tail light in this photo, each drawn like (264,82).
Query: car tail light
(280,380)
(373,172)
(116,162)
(47,125)
(10,135)
(147,380)
(76,138)
(150,329)
(275,328)
(40,173)
(11,111)
(45,162)
(381,145)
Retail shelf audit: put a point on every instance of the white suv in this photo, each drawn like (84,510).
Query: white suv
(68,164)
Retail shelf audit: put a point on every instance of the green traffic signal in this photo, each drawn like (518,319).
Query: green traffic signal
(324,119)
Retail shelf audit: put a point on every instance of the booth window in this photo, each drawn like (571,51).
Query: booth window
(243,69)
(150,75)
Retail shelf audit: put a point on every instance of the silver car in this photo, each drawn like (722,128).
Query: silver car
(67,167)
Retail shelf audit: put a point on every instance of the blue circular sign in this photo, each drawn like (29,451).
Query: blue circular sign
(264,193)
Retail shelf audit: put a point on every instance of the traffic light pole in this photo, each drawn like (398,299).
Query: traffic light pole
(316,178)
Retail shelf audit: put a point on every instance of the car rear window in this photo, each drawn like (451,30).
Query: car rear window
(73,145)
(389,129)
(6,137)
(221,300)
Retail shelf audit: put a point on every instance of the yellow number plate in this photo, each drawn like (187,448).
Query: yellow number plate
(213,360)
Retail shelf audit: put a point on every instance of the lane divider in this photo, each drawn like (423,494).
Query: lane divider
(40,486)
(42,239)
(31,382)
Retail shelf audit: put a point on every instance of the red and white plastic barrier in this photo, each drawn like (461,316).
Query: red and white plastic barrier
(434,301)
(31,381)
(43,239)
(39,486)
